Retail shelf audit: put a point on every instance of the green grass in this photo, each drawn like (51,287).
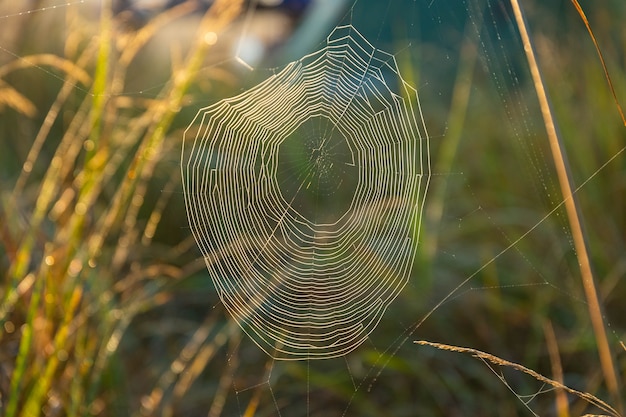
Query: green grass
(77,235)
(106,308)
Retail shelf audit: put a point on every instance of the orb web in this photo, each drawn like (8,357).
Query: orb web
(305,194)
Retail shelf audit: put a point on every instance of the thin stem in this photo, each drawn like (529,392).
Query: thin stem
(558,155)
(495,360)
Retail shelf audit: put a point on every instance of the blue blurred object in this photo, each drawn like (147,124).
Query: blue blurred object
(283,29)
(149,7)
(294,7)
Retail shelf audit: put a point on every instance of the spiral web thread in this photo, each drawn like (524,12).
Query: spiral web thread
(310,285)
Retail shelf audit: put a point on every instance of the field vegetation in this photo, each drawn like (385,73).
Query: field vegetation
(106,308)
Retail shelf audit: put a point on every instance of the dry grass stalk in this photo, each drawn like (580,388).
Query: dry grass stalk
(583,16)
(591,399)
(562,405)
(559,157)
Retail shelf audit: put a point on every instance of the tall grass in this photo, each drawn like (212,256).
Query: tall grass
(597,92)
(580,244)
(77,223)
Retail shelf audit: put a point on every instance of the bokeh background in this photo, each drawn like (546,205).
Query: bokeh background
(106,306)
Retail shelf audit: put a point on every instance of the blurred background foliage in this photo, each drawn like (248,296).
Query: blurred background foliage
(106,308)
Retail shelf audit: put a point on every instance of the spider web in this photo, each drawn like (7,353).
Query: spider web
(311,286)
(458,266)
